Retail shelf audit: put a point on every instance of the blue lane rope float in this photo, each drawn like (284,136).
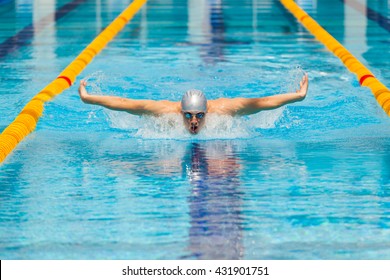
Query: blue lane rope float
(27,119)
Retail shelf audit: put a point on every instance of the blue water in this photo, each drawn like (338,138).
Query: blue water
(307,181)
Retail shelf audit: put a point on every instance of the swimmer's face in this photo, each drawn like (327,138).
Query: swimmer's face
(194,121)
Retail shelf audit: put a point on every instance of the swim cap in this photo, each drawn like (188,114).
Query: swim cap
(194,100)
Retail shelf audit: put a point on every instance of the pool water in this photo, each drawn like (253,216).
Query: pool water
(306,181)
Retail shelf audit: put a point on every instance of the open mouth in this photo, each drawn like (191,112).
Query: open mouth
(194,129)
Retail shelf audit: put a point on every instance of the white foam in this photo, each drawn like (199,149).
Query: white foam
(266,119)
(171,126)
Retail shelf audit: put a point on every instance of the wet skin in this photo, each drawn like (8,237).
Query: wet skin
(195,122)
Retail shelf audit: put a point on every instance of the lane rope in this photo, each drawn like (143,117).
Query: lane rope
(364,76)
(27,119)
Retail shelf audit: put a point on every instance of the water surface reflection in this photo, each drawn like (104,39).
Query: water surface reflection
(215,201)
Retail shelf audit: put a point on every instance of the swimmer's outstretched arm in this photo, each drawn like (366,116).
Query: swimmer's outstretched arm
(132,106)
(247,106)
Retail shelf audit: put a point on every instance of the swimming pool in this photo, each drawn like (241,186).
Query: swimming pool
(306,181)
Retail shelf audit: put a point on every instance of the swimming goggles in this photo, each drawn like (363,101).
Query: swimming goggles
(189,116)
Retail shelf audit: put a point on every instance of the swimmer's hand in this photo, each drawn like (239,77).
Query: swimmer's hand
(82,91)
(303,86)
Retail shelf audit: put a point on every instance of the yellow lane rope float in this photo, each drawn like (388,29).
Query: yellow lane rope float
(27,120)
(365,77)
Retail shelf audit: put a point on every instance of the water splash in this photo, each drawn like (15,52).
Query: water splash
(171,126)
(95,81)
(266,119)
(294,76)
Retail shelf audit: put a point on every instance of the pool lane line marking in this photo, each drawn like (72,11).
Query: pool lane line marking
(24,36)
(365,77)
(27,119)
(371,14)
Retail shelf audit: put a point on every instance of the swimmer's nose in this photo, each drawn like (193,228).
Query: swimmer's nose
(194,121)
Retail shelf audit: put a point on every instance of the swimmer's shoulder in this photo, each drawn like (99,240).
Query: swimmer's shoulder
(223,105)
(163,107)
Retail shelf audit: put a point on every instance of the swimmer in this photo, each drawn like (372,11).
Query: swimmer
(194,106)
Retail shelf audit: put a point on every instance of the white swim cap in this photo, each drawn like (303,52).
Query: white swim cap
(194,100)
